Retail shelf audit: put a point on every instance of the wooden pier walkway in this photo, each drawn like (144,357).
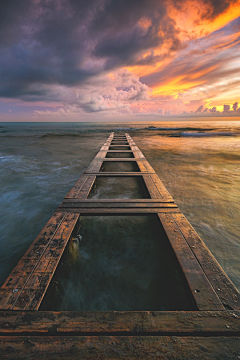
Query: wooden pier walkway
(212,331)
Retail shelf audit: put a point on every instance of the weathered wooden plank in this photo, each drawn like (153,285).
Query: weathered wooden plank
(134,148)
(202,291)
(69,204)
(144,166)
(131,201)
(104,147)
(152,189)
(94,166)
(225,289)
(138,155)
(101,154)
(120,159)
(112,322)
(137,173)
(120,210)
(77,187)
(86,188)
(161,188)
(119,347)
(16,281)
(34,289)
(82,187)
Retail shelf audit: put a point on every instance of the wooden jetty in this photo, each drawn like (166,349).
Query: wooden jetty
(211,331)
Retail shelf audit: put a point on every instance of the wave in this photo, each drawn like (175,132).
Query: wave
(126,129)
(177,128)
(209,134)
(60,135)
(171,131)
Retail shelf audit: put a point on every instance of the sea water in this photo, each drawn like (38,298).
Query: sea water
(198,161)
(122,263)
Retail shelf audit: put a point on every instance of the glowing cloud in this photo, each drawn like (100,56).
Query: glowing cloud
(138,56)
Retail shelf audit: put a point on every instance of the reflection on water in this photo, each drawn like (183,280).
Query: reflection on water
(118,263)
(119,188)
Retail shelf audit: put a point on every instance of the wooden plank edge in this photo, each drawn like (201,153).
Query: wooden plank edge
(52,322)
(202,291)
(119,347)
(226,290)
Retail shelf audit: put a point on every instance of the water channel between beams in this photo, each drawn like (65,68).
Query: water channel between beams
(119,166)
(118,263)
(114,187)
(119,155)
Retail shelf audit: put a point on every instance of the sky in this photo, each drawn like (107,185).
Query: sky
(78,60)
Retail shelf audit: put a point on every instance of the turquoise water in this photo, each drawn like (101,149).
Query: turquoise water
(197,161)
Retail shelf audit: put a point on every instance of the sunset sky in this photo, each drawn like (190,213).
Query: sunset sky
(69,60)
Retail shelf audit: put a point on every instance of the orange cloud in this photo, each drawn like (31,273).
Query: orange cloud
(174,86)
(193,18)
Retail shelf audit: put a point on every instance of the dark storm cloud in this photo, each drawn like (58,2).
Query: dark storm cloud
(124,38)
(13,14)
(42,44)
(66,42)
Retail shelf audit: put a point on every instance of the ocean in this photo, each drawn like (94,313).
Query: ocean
(198,162)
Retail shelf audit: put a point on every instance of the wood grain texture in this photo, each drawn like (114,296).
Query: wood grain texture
(113,322)
(137,173)
(152,189)
(33,291)
(94,166)
(101,154)
(86,188)
(119,205)
(119,347)
(120,159)
(16,281)
(80,187)
(221,283)
(120,210)
(138,155)
(131,201)
(202,291)
(161,188)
